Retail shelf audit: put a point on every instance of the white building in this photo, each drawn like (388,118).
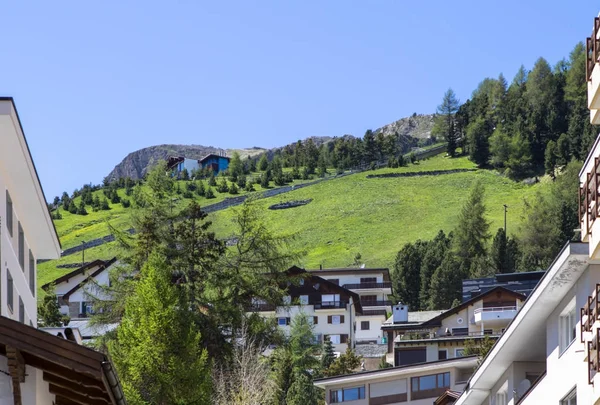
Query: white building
(38,368)
(374,288)
(417,384)
(331,308)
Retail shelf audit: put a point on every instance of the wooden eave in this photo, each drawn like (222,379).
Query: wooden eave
(75,373)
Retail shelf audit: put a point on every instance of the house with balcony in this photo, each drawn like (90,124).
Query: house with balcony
(216,162)
(550,353)
(38,367)
(374,287)
(414,384)
(442,335)
(331,308)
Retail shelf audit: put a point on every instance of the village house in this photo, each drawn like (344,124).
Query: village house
(432,336)
(331,308)
(38,368)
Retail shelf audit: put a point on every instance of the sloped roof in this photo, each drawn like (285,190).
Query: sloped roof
(80,270)
(353,270)
(89,331)
(213,155)
(100,269)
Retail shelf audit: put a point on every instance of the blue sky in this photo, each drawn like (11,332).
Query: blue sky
(94,81)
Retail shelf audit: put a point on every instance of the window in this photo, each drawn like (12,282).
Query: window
(570,398)
(442,354)
(287,300)
(32,273)
(459,352)
(460,331)
(21,311)
(405,357)
(283,321)
(9,291)
(9,214)
(21,248)
(335,339)
(301,281)
(314,319)
(335,319)
(304,299)
(501,398)
(365,325)
(429,386)
(488,331)
(368,280)
(568,326)
(329,299)
(347,394)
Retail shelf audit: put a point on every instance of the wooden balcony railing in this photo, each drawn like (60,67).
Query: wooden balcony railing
(358,286)
(588,198)
(592,49)
(590,313)
(330,304)
(593,356)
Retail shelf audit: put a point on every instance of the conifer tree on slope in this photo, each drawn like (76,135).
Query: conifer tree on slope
(472,233)
(444,121)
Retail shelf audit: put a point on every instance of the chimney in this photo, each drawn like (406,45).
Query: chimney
(400,313)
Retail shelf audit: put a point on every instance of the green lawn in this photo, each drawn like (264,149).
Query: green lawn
(375,217)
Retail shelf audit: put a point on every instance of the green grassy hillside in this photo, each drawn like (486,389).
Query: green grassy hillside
(348,215)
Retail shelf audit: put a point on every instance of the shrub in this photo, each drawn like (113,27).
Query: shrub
(249,186)
(125,203)
(264,180)
(223,187)
(191,186)
(241,182)
(188,194)
(209,193)
(233,189)
(105,206)
(201,190)
(211,180)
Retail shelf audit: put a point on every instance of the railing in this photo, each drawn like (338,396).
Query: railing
(433,335)
(382,303)
(330,304)
(359,286)
(588,198)
(592,49)
(374,312)
(531,387)
(589,313)
(263,307)
(494,309)
(593,356)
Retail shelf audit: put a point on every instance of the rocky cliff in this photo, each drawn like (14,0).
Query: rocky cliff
(417,126)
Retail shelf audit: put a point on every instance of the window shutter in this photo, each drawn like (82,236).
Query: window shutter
(287,321)
(344,338)
(329,319)
(341,318)
(315,320)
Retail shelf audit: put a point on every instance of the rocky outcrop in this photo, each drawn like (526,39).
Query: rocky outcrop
(136,164)
(416,126)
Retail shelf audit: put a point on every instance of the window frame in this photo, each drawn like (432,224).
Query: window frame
(21,246)
(445,351)
(462,352)
(363,323)
(570,398)
(21,310)
(10,212)
(436,378)
(31,273)
(338,395)
(10,299)
(567,326)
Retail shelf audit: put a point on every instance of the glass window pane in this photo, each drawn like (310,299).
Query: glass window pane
(440,380)
(446,380)
(415,384)
(427,382)
(351,394)
(361,392)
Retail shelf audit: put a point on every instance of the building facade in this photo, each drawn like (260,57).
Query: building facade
(443,336)
(332,309)
(417,384)
(374,288)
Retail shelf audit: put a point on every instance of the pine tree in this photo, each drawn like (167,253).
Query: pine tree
(223,187)
(201,189)
(328,355)
(302,391)
(550,159)
(383,363)
(346,363)
(209,193)
(236,168)
(444,121)
(263,163)
(472,233)
(406,275)
(154,315)
(519,162)
(283,373)
(233,189)
(446,283)
(49,311)
(477,137)
(211,179)
(81,209)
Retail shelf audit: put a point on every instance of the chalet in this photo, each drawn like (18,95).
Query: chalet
(443,336)
(215,162)
(331,308)
(37,367)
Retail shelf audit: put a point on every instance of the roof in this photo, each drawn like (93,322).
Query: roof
(29,195)
(334,286)
(529,325)
(354,270)
(363,376)
(448,397)
(370,350)
(75,373)
(83,282)
(436,320)
(213,155)
(89,331)
(76,272)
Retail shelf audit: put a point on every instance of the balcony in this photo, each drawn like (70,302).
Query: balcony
(495,314)
(378,303)
(369,286)
(330,305)
(592,68)
(428,335)
(589,314)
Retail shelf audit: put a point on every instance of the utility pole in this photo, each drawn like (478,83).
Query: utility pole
(83,254)
(505,208)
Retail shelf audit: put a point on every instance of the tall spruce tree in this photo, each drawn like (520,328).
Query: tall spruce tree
(477,137)
(472,233)
(444,121)
(406,275)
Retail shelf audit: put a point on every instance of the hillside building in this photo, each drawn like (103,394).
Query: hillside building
(550,353)
(215,162)
(38,368)
(522,283)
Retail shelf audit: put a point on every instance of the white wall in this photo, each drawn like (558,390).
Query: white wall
(374,331)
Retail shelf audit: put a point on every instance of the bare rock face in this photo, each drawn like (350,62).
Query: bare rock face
(136,164)
(417,126)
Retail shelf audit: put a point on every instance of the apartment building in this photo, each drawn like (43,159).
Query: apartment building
(416,384)
(330,307)
(37,367)
(373,285)
(432,336)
